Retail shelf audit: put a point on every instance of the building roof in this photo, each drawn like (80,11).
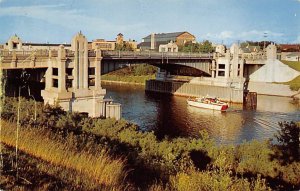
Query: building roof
(167,35)
(148,44)
(290,47)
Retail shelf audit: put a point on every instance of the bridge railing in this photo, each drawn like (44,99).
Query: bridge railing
(24,52)
(255,56)
(150,54)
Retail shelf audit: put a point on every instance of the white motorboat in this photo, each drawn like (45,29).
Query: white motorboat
(208,103)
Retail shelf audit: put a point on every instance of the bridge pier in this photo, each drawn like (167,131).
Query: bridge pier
(83,96)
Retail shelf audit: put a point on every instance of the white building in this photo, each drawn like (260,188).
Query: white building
(294,56)
(170,47)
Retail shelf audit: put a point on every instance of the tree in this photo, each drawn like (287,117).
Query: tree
(289,138)
(206,47)
(124,47)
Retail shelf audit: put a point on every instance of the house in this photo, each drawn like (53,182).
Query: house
(170,47)
(153,41)
(289,47)
(294,56)
(102,44)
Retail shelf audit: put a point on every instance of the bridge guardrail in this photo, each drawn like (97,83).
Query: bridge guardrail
(24,52)
(120,54)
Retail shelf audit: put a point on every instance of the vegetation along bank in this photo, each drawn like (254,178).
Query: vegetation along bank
(70,151)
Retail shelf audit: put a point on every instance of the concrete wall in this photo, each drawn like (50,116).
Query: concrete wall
(274,71)
(271,89)
(197,90)
(170,47)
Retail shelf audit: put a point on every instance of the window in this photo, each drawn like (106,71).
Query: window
(55,71)
(69,71)
(55,83)
(221,66)
(15,45)
(221,73)
(91,71)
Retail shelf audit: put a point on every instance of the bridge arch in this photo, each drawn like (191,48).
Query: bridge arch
(199,68)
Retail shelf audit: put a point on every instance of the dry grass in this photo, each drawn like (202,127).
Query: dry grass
(101,169)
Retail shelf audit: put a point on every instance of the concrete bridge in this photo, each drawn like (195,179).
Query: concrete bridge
(110,60)
(205,63)
(73,76)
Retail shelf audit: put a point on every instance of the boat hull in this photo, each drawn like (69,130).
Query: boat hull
(218,107)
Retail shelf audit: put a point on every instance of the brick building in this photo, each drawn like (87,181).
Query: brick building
(153,41)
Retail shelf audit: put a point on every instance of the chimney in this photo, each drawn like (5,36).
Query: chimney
(152,41)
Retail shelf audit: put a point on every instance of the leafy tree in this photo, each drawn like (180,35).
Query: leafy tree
(144,69)
(124,47)
(206,47)
(190,47)
(289,138)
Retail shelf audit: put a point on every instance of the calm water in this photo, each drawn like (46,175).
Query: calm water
(171,116)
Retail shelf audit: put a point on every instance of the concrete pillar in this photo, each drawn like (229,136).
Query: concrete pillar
(48,76)
(98,69)
(152,47)
(32,59)
(61,68)
(227,64)
(76,66)
(13,63)
(80,48)
(234,50)
(242,67)
(85,65)
(80,65)
(271,52)
(213,71)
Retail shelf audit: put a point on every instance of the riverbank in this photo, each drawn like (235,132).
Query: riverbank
(121,82)
(138,159)
(128,79)
(136,75)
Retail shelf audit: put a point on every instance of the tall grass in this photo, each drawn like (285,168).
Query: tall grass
(99,169)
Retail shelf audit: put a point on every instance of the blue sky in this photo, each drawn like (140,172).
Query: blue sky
(227,21)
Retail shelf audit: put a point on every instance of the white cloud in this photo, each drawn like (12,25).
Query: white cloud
(254,35)
(222,35)
(60,15)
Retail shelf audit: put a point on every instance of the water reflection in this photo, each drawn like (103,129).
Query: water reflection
(276,104)
(171,116)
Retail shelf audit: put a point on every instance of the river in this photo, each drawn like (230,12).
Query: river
(170,116)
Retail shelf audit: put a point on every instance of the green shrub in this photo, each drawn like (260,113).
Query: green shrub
(255,157)
(214,180)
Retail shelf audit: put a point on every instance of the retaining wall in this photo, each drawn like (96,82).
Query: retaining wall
(186,89)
